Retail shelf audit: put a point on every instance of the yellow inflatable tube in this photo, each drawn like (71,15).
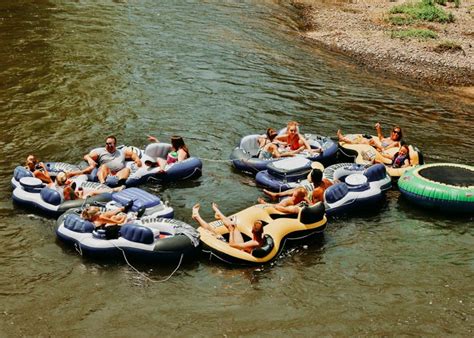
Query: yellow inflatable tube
(366,154)
(279,227)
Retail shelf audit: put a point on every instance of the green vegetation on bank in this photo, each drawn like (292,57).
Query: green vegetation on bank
(448,46)
(425,10)
(421,34)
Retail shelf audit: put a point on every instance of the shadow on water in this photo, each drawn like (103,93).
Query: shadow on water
(461,223)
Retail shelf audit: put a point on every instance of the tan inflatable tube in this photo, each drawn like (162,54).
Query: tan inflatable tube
(279,227)
(366,154)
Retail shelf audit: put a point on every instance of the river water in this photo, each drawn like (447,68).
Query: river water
(212,71)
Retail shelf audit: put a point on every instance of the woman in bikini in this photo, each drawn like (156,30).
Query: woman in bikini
(294,140)
(106,218)
(385,142)
(179,152)
(269,146)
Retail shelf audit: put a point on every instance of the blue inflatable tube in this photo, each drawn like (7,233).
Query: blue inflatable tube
(356,190)
(148,239)
(245,156)
(190,168)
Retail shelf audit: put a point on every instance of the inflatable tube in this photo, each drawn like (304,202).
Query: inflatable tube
(283,174)
(279,228)
(190,168)
(366,154)
(446,187)
(356,192)
(150,238)
(53,168)
(31,193)
(335,172)
(377,174)
(245,156)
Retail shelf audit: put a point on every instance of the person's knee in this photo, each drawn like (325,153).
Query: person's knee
(124,173)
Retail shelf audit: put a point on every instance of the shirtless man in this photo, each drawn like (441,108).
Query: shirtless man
(318,185)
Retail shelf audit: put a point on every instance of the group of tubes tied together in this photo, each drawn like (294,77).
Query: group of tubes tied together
(302,176)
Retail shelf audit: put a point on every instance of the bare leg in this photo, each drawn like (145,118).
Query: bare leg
(341,137)
(197,217)
(272,195)
(235,236)
(220,216)
(123,174)
(103,172)
(275,195)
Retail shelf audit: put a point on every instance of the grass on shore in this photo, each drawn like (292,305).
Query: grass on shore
(425,10)
(448,47)
(414,33)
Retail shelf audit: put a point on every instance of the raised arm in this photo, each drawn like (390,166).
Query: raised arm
(152,139)
(378,128)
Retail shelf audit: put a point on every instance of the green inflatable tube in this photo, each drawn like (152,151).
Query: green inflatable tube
(447,187)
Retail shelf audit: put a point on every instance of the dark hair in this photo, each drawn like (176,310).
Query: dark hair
(112,137)
(400,134)
(177,143)
(316,176)
(271,133)
(406,146)
(259,233)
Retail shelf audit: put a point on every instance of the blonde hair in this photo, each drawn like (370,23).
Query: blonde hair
(61,178)
(89,212)
(292,124)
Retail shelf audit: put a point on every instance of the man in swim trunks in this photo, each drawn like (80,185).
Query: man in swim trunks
(112,160)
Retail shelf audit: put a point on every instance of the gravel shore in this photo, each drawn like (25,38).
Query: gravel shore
(360,30)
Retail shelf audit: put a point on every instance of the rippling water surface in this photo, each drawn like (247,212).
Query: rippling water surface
(73,72)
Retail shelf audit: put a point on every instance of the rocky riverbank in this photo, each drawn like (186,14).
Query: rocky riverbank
(361,30)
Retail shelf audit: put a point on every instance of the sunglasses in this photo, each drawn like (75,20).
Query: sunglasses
(396,132)
(109,144)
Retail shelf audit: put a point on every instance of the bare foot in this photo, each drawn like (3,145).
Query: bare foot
(118,188)
(271,194)
(196,211)
(218,214)
(261,200)
(340,136)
